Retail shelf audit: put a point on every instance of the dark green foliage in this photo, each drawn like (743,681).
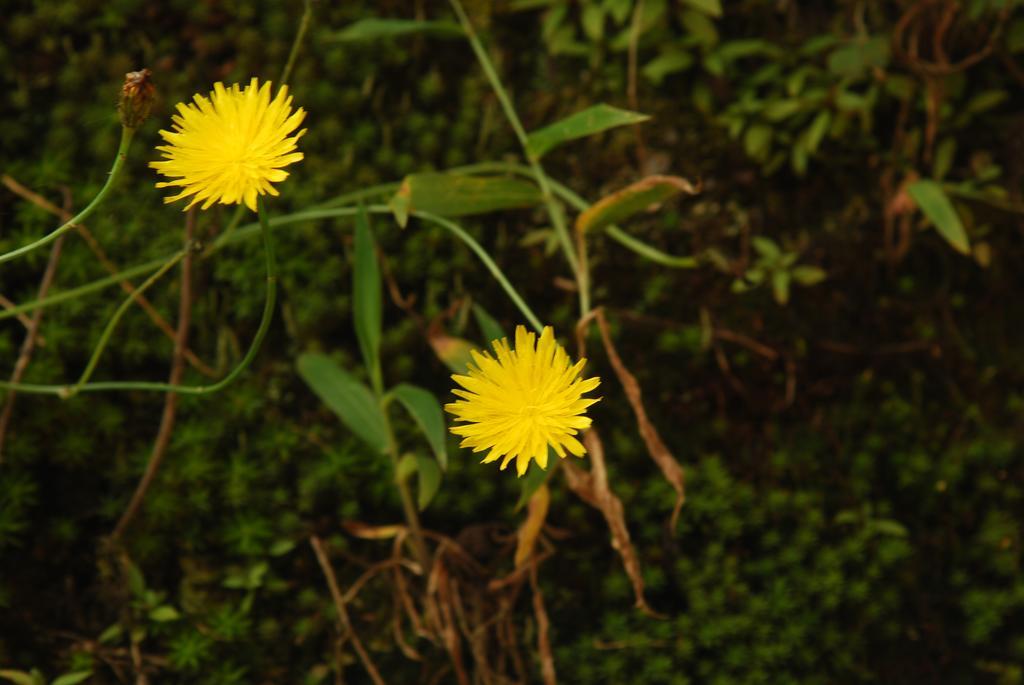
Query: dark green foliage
(853,453)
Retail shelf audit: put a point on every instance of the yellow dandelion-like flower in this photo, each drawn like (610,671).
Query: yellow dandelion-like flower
(231,146)
(523,402)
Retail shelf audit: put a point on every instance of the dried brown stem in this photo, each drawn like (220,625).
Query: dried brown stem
(339,605)
(6,303)
(665,460)
(163,434)
(547,661)
(28,345)
(592,488)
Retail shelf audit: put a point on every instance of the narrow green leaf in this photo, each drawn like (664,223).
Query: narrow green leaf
(666,64)
(72,678)
(376,29)
(700,27)
(352,401)
(580,125)
(817,130)
(945,152)
(632,199)
(766,247)
(933,202)
(426,411)
(758,141)
(406,467)
(366,297)
(163,614)
(491,329)
(780,286)
(808,275)
(454,195)
(456,353)
(428,482)
(18,677)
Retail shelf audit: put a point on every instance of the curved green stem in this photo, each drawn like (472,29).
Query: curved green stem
(265,226)
(307,14)
(116,318)
(115,170)
(554,209)
(480,252)
(261,332)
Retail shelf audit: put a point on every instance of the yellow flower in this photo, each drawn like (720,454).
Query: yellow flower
(523,402)
(230,147)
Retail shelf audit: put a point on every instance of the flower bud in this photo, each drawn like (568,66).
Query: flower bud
(136,100)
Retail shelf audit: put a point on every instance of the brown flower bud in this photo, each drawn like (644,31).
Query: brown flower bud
(136,100)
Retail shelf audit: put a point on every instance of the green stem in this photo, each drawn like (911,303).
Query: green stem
(261,332)
(81,290)
(554,209)
(116,318)
(115,170)
(412,517)
(480,252)
(576,202)
(307,14)
(244,232)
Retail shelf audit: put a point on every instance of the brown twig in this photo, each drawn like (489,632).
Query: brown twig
(28,345)
(592,488)
(101,255)
(6,303)
(659,452)
(547,661)
(339,605)
(163,435)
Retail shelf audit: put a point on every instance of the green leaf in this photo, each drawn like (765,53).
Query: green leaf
(933,202)
(757,141)
(406,467)
(366,297)
(19,677)
(817,130)
(376,29)
(631,200)
(163,614)
(428,482)
(700,27)
(426,411)
(534,477)
(985,101)
(887,527)
(945,151)
(777,110)
(491,329)
(808,275)
(780,286)
(592,19)
(854,58)
(454,195)
(711,8)
(352,401)
(72,678)
(456,353)
(580,125)
(111,635)
(665,64)
(766,247)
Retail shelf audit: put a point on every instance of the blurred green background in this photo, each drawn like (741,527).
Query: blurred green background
(852,445)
